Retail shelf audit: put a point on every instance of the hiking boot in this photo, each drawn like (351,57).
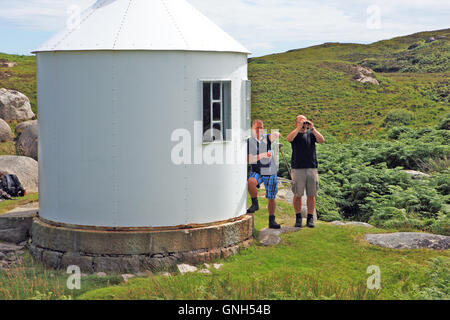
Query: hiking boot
(254,207)
(273,224)
(310,221)
(298,220)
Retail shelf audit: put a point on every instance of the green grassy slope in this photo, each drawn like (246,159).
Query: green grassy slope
(325,262)
(318,82)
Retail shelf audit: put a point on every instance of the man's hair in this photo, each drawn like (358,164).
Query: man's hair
(257,121)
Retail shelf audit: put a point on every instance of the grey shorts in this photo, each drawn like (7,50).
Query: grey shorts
(305,179)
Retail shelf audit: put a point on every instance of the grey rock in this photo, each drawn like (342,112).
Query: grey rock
(15,227)
(27,144)
(35,252)
(14,105)
(218,266)
(52,259)
(7,64)
(127,277)
(157,264)
(12,257)
(269,237)
(409,240)
(186,268)
(116,264)
(3,256)
(23,125)
(5,131)
(205,271)
(351,223)
(362,74)
(9,247)
(416,174)
(25,168)
(85,263)
(431,39)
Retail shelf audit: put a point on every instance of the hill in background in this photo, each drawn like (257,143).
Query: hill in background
(321,82)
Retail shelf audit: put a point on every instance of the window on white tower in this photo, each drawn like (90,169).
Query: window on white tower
(216,111)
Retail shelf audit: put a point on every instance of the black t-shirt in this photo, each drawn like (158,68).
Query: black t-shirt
(304,151)
(265,167)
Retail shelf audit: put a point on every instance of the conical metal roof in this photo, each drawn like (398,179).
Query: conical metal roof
(143,25)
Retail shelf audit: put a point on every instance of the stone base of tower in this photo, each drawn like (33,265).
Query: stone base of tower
(125,250)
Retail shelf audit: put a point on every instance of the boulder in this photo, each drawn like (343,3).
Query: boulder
(25,168)
(14,105)
(5,131)
(27,144)
(15,227)
(351,223)
(185,268)
(9,247)
(7,64)
(430,39)
(365,75)
(270,237)
(409,240)
(23,125)
(416,174)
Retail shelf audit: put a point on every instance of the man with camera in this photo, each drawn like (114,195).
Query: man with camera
(304,167)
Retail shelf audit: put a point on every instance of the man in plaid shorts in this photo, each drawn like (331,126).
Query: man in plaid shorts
(263,169)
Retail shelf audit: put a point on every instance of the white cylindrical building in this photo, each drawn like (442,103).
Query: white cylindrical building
(120,91)
(112,92)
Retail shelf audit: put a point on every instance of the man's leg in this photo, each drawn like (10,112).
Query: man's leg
(253,187)
(272,206)
(297,204)
(271,185)
(299,178)
(253,190)
(311,192)
(311,204)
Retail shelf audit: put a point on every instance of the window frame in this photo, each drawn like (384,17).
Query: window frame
(246,112)
(223,105)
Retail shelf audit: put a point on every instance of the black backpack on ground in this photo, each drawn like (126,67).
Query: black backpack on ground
(11,185)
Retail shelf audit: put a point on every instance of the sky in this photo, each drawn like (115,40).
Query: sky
(263,26)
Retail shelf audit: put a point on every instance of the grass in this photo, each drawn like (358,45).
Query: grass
(31,281)
(8,205)
(325,262)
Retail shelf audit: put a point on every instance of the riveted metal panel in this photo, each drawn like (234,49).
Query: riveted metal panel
(106,120)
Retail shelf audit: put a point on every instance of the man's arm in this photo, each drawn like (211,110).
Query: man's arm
(274,136)
(291,136)
(255,158)
(319,137)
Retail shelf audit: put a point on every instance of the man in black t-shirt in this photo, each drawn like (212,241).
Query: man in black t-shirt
(304,167)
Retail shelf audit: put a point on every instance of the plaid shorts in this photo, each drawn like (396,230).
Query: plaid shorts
(270,183)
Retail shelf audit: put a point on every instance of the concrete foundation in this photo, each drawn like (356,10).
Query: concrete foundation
(137,249)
